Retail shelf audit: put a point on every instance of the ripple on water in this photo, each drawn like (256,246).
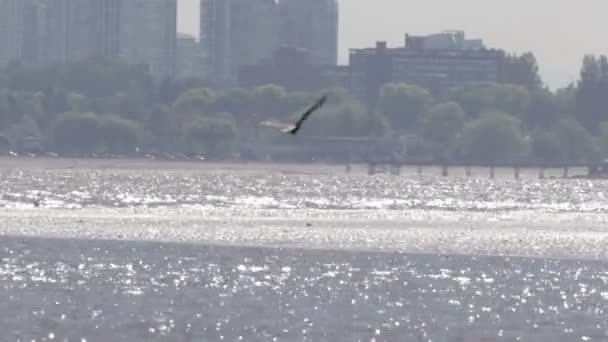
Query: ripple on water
(241,188)
(264,294)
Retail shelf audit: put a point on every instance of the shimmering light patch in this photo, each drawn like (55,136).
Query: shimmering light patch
(167,291)
(209,292)
(260,188)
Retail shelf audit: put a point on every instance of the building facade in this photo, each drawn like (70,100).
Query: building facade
(47,31)
(313,25)
(447,40)
(255,27)
(33,44)
(11,30)
(292,69)
(437,64)
(189,57)
(237,32)
(215,37)
(81,29)
(147,34)
(67,29)
(105,25)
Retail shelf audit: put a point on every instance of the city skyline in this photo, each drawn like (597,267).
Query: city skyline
(541,29)
(236,33)
(46,31)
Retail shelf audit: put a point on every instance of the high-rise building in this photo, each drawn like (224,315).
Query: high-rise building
(438,64)
(313,25)
(61,33)
(237,32)
(23,31)
(292,70)
(255,26)
(73,29)
(106,24)
(189,57)
(11,30)
(215,37)
(44,31)
(147,34)
(32,50)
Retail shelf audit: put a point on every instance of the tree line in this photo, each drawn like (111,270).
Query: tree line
(107,107)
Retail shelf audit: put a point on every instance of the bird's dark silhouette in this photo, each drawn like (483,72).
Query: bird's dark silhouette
(293,128)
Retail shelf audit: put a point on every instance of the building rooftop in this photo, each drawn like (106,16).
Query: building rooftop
(181,35)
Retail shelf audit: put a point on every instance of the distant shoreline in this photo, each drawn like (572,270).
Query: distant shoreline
(147,164)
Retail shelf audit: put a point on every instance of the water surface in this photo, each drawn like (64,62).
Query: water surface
(152,251)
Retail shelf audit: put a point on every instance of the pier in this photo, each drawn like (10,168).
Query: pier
(560,170)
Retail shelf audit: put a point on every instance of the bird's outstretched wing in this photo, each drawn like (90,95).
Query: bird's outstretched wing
(294,128)
(284,127)
(307,113)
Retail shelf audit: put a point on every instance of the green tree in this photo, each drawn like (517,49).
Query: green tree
(163,129)
(442,129)
(543,109)
(55,102)
(267,102)
(74,132)
(336,95)
(212,136)
(565,101)
(546,146)
(25,135)
(494,137)
(5,109)
(5,145)
(575,142)
(604,138)
(592,91)
(523,70)
(404,104)
(169,90)
(195,101)
(297,101)
(119,135)
(346,119)
(23,103)
(486,96)
(76,102)
(237,101)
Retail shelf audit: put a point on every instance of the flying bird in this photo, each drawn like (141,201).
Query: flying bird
(293,128)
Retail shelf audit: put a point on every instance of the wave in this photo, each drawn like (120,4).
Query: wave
(266,202)
(246,189)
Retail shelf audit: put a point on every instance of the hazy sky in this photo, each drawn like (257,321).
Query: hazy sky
(559,32)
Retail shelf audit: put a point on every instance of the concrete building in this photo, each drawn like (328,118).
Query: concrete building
(11,30)
(33,43)
(189,57)
(447,40)
(215,37)
(237,32)
(46,31)
(439,64)
(71,30)
(106,24)
(23,31)
(313,25)
(255,27)
(147,33)
(68,30)
(292,69)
